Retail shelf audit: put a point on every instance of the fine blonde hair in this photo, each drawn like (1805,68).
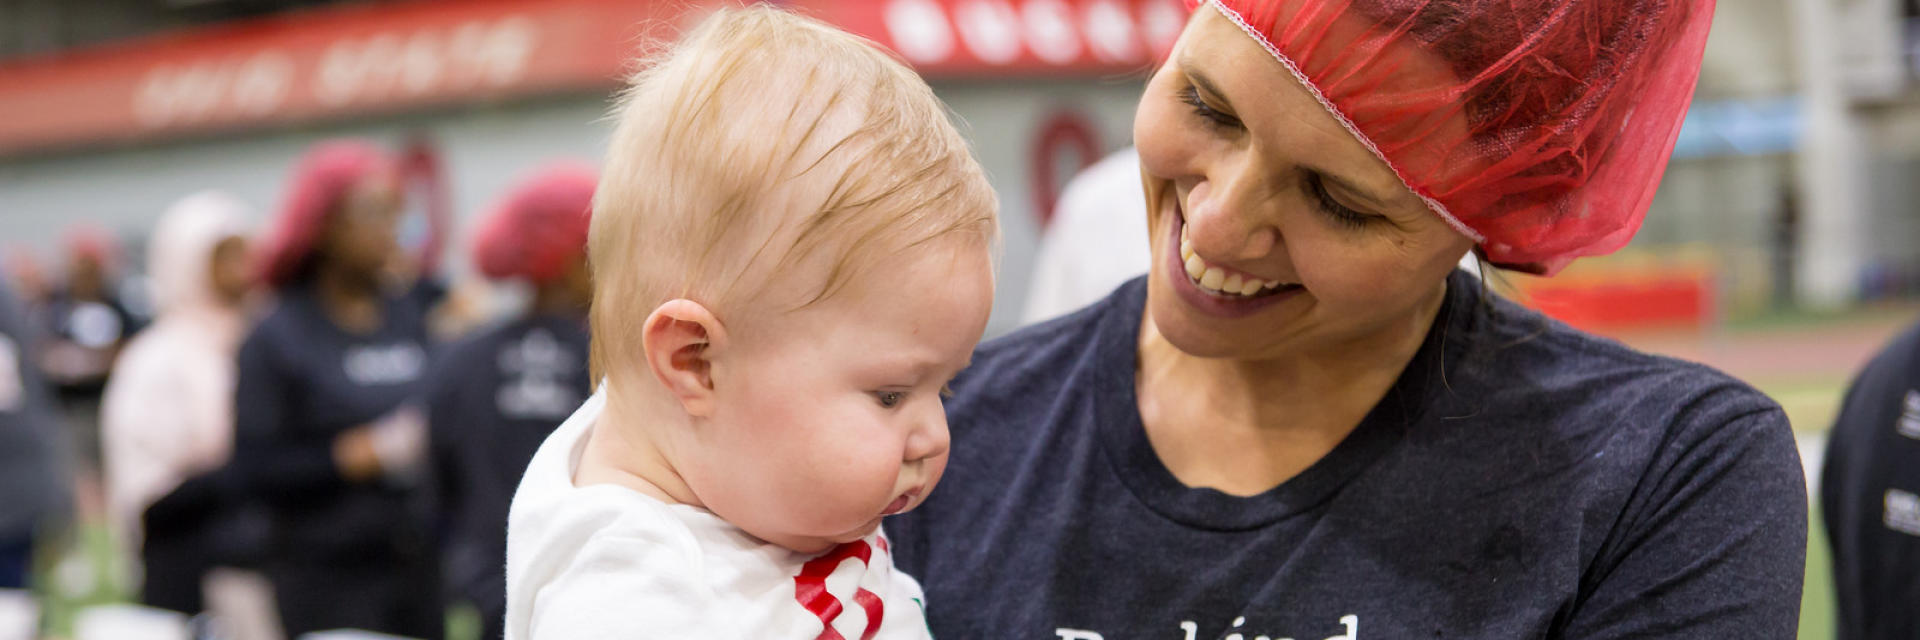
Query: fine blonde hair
(768,147)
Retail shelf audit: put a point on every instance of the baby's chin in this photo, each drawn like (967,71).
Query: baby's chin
(813,544)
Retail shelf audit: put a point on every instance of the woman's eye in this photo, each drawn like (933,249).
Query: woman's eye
(1191,96)
(889,399)
(1340,214)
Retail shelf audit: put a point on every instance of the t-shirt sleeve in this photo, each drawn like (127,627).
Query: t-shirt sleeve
(1711,545)
(619,587)
(273,460)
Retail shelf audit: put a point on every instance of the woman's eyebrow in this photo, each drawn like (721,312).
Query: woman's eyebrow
(1193,74)
(1371,196)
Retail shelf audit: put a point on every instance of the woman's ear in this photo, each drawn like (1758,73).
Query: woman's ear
(680,338)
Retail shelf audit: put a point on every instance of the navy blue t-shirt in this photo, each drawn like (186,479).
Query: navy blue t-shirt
(1870,497)
(302,381)
(1520,480)
(495,398)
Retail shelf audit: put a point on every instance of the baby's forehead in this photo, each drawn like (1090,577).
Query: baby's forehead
(877,281)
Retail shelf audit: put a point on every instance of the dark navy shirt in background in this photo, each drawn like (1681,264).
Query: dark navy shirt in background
(1870,497)
(495,397)
(303,380)
(1520,480)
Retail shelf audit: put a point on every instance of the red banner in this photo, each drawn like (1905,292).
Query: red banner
(1013,37)
(362,59)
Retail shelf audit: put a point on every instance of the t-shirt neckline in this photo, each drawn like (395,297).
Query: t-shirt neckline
(1123,436)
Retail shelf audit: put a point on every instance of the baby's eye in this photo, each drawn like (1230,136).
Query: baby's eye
(889,399)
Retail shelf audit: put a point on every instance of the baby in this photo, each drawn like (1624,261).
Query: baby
(791,257)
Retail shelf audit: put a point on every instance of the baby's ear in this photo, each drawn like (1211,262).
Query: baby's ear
(679,339)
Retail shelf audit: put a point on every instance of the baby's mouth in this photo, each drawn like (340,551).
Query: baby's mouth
(901,503)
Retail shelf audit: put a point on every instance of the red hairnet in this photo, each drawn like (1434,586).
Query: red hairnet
(89,242)
(1539,128)
(540,227)
(322,177)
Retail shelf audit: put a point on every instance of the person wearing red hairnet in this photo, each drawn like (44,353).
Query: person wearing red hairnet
(1305,423)
(497,395)
(86,321)
(325,435)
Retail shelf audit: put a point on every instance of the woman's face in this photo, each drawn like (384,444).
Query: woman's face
(230,271)
(1274,230)
(362,236)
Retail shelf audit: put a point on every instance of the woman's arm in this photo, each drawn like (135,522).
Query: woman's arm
(273,461)
(1712,545)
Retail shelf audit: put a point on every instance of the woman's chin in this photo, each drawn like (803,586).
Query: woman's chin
(1197,334)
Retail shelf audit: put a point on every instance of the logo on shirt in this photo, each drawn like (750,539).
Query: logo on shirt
(1902,512)
(1350,625)
(810,588)
(536,369)
(386,364)
(1909,424)
(94,325)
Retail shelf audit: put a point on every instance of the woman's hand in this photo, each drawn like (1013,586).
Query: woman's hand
(392,445)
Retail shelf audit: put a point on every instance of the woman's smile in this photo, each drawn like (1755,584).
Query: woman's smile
(1215,290)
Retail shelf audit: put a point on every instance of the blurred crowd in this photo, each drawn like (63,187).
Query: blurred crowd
(302,425)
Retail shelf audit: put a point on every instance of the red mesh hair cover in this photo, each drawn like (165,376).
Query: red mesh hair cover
(90,242)
(540,227)
(1539,128)
(322,177)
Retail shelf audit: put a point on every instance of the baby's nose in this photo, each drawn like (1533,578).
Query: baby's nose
(929,440)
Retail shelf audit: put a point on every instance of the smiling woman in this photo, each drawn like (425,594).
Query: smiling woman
(1304,422)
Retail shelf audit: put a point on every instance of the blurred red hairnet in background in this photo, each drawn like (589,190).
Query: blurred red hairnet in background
(320,180)
(91,242)
(1539,128)
(540,226)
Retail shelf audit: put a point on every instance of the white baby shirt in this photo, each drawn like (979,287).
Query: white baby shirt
(605,562)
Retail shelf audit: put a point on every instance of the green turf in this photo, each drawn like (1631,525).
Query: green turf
(1816,600)
(89,572)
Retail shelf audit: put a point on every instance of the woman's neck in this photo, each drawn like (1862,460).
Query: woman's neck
(1245,426)
(351,300)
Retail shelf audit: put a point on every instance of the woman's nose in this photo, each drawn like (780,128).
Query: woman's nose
(1225,221)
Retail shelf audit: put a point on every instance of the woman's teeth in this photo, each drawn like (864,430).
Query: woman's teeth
(1216,280)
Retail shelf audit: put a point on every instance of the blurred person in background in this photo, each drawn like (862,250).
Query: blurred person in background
(86,324)
(167,416)
(1096,242)
(497,395)
(1870,497)
(28,279)
(325,434)
(36,496)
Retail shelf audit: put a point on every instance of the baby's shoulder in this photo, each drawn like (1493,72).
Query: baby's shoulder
(602,562)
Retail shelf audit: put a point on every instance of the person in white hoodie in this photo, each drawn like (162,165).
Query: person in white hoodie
(167,416)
